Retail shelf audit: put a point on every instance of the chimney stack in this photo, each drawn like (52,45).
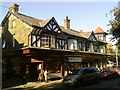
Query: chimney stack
(14,8)
(67,23)
(81,31)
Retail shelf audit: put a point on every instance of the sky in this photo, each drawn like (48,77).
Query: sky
(86,16)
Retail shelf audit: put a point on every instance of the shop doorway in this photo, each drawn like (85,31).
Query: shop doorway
(34,72)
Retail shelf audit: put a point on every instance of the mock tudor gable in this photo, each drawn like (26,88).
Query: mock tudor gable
(92,37)
(53,26)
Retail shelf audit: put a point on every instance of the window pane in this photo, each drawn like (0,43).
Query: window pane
(13,24)
(45,39)
(38,42)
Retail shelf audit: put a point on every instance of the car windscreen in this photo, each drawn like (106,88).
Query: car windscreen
(106,70)
(73,72)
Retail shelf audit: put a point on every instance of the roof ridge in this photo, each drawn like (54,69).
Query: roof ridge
(74,31)
(31,20)
(29,16)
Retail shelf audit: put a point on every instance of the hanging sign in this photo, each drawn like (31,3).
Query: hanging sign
(74,59)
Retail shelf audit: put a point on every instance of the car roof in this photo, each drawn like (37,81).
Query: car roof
(90,67)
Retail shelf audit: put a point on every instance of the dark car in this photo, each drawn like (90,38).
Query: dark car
(116,68)
(108,74)
(81,76)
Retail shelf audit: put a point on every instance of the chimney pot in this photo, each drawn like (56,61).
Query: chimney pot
(67,23)
(14,8)
(81,31)
(66,17)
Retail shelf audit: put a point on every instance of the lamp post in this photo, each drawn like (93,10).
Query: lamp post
(116,57)
(116,54)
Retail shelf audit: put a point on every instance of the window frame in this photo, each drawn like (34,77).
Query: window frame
(13,23)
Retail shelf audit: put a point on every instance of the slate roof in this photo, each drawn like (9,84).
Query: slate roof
(41,23)
(72,32)
(87,34)
(30,20)
(102,41)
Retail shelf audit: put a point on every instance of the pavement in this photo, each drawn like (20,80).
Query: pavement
(35,85)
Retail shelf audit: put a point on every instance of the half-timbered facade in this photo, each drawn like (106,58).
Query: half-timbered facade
(31,44)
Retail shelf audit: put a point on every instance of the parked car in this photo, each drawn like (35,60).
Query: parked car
(108,74)
(81,76)
(117,69)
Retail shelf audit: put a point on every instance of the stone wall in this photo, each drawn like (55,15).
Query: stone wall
(20,32)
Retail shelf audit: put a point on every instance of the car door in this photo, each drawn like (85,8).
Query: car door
(86,75)
(89,74)
(94,73)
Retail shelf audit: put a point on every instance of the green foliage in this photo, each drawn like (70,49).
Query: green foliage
(115,23)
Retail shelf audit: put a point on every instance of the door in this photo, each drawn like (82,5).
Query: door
(34,71)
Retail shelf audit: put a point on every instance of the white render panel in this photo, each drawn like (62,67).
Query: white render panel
(72,44)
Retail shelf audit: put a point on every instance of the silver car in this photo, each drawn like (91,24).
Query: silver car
(81,76)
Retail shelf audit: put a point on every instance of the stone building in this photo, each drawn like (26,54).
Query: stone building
(31,44)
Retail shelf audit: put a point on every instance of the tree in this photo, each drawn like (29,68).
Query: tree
(115,24)
(115,30)
(110,49)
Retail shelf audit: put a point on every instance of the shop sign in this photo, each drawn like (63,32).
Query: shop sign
(74,59)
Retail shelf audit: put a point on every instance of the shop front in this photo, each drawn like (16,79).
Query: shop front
(42,59)
(73,62)
(30,61)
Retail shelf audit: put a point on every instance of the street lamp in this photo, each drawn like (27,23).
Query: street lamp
(116,54)
(116,57)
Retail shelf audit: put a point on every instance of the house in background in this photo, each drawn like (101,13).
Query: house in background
(31,45)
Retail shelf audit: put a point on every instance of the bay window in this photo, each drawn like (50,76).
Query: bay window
(44,40)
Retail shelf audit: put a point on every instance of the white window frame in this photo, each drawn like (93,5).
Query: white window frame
(13,23)
(33,39)
(45,40)
(72,44)
(38,42)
